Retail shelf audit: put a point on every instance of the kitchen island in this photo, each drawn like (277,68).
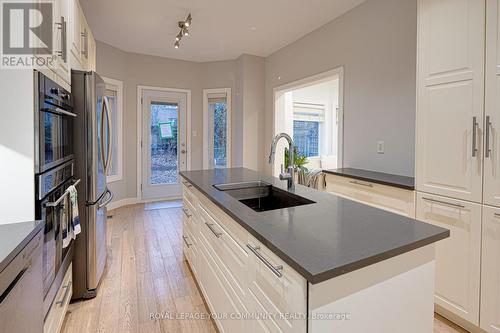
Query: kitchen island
(271,259)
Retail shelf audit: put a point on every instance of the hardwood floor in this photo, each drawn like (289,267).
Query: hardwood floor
(147,278)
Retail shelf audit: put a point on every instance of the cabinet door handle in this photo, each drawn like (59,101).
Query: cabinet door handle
(276,270)
(444,202)
(66,292)
(185,241)
(355,182)
(186,212)
(487,149)
(210,226)
(474,136)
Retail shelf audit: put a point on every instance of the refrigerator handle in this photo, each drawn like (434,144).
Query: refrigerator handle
(102,136)
(110,134)
(108,200)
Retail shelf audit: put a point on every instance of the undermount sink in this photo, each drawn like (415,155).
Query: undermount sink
(262,196)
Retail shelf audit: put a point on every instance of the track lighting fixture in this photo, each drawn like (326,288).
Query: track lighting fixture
(183,26)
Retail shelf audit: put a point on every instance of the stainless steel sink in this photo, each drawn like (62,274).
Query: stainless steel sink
(262,196)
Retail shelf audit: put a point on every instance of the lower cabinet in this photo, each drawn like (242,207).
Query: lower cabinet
(490,270)
(55,317)
(458,258)
(247,287)
(394,199)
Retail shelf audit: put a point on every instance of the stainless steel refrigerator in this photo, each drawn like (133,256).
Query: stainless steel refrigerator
(92,144)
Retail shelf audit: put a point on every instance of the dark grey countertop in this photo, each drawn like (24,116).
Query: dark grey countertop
(14,237)
(328,238)
(375,177)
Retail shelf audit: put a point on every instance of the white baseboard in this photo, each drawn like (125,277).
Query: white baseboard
(122,202)
(133,201)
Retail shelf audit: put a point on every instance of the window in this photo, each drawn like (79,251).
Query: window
(308,120)
(217,120)
(114,94)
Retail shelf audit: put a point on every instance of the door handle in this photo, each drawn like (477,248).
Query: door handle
(487,149)
(185,241)
(108,200)
(474,136)
(444,202)
(110,133)
(210,226)
(276,270)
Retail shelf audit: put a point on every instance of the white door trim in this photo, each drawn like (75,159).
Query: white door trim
(307,81)
(227,91)
(140,90)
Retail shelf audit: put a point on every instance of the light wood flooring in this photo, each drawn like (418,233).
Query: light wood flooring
(146,274)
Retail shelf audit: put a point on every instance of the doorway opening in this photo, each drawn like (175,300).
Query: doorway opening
(311,112)
(163,142)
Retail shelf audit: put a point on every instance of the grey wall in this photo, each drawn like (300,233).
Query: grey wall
(376,44)
(137,69)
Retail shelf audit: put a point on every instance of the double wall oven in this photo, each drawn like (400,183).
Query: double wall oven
(54,173)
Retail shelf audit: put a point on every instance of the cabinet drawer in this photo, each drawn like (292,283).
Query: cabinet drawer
(393,199)
(55,317)
(490,267)
(189,193)
(228,254)
(189,219)
(276,288)
(457,257)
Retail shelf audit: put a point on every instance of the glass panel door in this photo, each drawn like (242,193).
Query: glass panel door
(164,143)
(217,119)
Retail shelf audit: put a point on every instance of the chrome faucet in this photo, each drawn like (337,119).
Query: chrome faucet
(290,175)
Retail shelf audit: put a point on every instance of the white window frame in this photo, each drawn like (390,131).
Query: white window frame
(117,86)
(206,125)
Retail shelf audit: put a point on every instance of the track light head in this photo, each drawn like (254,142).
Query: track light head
(176,44)
(185,32)
(187,23)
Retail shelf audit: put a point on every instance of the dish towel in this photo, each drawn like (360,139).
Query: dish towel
(65,227)
(73,227)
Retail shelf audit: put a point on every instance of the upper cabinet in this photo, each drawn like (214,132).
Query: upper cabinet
(82,42)
(492,106)
(450,98)
(60,27)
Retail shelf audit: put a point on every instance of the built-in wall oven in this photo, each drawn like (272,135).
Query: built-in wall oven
(55,169)
(53,124)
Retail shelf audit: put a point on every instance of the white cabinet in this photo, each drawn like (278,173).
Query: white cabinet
(458,258)
(55,317)
(397,200)
(82,42)
(276,289)
(60,27)
(490,271)
(233,278)
(491,182)
(450,97)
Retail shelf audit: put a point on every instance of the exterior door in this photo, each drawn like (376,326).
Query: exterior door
(492,107)
(490,275)
(458,258)
(450,98)
(164,148)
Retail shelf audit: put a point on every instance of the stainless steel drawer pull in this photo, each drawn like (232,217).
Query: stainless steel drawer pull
(185,241)
(186,212)
(186,183)
(444,202)
(497,214)
(487,148)
(210,226)
(474,136)
(276,270)
(359,183)
(66,292)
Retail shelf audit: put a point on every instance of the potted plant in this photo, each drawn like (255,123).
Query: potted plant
(299,161)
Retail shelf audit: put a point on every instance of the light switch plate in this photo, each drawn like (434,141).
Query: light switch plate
(380,147)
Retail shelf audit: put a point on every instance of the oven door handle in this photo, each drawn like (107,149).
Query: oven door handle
(108,200)
(60,111)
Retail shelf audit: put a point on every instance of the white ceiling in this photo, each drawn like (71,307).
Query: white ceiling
(221,29)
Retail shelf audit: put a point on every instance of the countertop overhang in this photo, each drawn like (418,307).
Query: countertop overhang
(323,240)
(404,182)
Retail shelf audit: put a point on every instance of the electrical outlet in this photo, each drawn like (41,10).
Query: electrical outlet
(380,147)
